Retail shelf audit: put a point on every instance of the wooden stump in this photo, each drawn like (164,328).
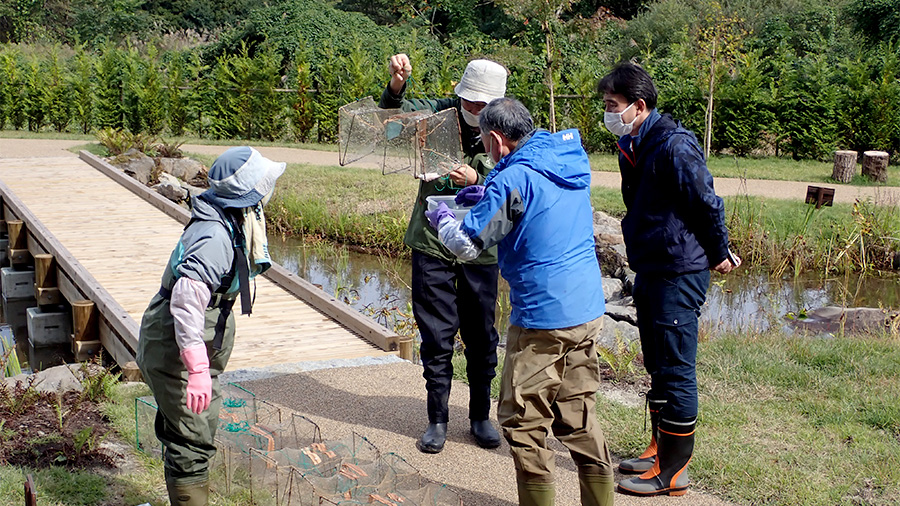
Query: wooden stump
(844,166)
(875,165)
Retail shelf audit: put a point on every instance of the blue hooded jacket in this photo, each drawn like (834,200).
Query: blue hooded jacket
(537,207)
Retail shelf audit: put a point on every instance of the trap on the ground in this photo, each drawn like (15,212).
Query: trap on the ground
(416,142)
(268,455)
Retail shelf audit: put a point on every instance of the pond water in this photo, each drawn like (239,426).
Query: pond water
(735,303)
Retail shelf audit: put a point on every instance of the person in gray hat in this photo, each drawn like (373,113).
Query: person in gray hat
(187,331)
(449,295)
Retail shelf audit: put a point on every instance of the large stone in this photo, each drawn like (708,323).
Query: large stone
(611,328)
(837,320)
(612,289)
(609,245)
(182,168)
(135,164)
(193,191)
(170,187)
(606,224)
(622,310)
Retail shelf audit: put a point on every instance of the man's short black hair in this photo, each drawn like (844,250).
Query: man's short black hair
(631,81)
(507,116)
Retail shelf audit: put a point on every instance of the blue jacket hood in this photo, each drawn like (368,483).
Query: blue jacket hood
(559,157)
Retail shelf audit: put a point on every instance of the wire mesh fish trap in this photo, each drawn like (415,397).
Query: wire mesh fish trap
(145,439)
(271,479)
(417,142)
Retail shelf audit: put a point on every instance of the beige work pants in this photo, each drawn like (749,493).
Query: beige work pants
(549,382)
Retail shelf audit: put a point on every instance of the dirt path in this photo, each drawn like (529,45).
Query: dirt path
(28,148)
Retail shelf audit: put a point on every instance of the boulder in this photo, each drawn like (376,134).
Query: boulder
(192,190)
(170,187)
(612,289)
(607,337)
(609,245)
(854,320)
(622,310)
(135,164)
(182,168)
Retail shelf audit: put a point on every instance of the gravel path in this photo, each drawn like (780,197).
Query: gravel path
(385,402)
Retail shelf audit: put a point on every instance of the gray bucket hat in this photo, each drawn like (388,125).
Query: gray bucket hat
(241,177)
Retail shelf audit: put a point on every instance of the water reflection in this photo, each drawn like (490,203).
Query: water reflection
(734,303)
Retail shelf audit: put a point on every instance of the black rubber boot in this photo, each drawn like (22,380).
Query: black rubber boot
(669,474)
(485,434)
(645,461)
(432,441)
(195,494)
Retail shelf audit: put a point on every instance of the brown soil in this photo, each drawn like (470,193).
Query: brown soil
(39,430)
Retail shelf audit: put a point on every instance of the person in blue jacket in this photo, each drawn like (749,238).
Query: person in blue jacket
(535,206)
(674,231)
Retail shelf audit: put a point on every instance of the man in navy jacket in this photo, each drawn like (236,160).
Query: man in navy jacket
(674,231)
(535,206)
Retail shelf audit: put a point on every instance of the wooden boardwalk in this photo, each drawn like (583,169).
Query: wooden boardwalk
(123,241)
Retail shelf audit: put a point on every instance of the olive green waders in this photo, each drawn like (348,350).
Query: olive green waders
(549,382)
(187,437)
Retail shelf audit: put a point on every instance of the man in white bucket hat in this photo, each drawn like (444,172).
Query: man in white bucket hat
(449,295)
(187,332)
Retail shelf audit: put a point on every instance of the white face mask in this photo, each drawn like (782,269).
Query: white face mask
(614,123)
(470,119)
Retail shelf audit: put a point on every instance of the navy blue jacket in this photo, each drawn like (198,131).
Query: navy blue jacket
(675,222)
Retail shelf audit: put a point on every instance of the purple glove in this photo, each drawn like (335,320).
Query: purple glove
(435,217)
(470,195)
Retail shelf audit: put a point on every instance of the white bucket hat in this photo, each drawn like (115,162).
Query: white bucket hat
(241,177)
(482,81)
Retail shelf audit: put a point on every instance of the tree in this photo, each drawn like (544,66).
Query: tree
(548,14)
(720,39)
(878,20)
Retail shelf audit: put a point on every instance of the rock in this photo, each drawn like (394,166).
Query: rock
(193,191)
(607,338)
(612,289)
(836,320)
(606,225)
(624,312)
(59,379)
(609,245)
(185,169)
(173,192)
(135,164)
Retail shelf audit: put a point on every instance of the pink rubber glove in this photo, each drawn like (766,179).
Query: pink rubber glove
(199,387)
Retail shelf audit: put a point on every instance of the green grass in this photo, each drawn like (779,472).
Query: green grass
(785,420)
(770,168)
(346,204)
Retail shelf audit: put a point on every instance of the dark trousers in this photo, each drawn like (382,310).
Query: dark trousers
(668,308)
(448,297)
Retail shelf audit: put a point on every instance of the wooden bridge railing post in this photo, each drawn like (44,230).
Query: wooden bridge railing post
(18,244)
(405,348)
(46,290)
(85,338)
